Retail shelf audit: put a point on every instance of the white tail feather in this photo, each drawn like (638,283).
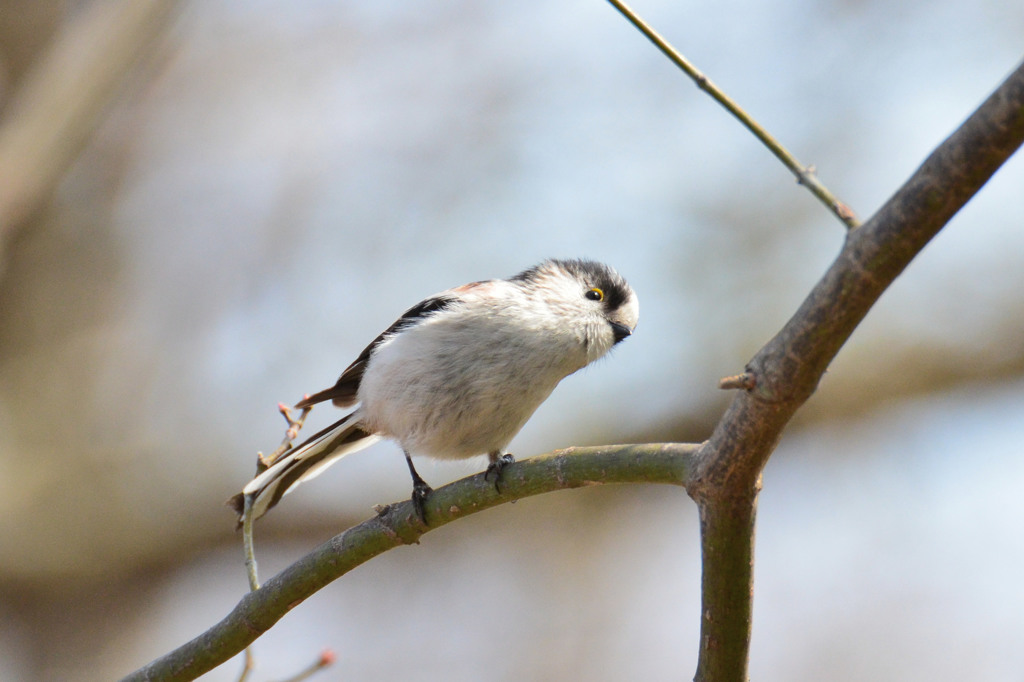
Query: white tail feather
(305,462)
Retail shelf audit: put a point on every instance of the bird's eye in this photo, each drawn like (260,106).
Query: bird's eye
(594,294)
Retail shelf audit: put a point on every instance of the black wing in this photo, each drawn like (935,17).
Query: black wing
(344,392)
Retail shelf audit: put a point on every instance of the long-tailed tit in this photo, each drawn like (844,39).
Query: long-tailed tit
(460,373)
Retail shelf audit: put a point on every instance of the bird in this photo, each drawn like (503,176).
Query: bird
(460,373)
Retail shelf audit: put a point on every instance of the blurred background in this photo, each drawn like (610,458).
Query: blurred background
(208,208)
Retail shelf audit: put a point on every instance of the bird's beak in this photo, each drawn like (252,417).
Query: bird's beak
(620,331)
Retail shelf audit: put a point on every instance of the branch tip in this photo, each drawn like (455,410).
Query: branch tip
(845,214)
(745,381)
(804,176)
(325,660)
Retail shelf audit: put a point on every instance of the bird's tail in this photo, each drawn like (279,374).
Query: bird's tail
(301,464)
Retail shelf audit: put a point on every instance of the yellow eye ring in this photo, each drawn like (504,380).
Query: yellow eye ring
(595,294)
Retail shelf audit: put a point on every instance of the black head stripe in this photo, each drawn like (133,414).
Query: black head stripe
(615,290)
(594,274)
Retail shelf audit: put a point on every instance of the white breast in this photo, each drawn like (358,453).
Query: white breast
(465,381)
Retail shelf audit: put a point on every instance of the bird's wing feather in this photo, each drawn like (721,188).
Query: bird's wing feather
(346,389)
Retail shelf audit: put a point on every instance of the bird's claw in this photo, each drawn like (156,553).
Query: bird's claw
(420,492)
(495,468)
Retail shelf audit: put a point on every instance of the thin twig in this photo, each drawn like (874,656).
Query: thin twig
(247,543)
(251,570)
(325,660)
(248,665)
(294,426)
(804,174)
(745,381)
(262,464)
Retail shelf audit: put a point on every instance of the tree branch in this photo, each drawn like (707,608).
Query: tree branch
(804,174)
(397,525)
(786,371)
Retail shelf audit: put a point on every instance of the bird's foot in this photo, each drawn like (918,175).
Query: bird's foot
(420,492)
(495,468)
